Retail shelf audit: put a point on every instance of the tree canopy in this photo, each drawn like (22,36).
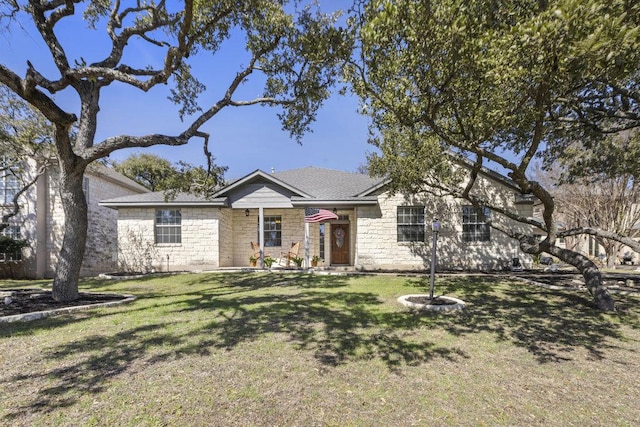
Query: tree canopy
(500,83)
(295,51)
(159,174)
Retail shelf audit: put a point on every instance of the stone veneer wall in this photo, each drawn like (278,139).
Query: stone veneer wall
(213,237)
(102,233)
(226,237)
(245,230)
(378,248)
(199,246)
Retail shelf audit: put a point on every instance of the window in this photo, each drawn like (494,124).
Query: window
(9,185)
(168,226)
(474,224)
(273,230)
(12,231)
(410,223)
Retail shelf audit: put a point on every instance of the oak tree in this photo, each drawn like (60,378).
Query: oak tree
(295,52)
(499,83)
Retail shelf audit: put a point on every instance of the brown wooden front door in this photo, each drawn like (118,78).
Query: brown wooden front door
(340,244)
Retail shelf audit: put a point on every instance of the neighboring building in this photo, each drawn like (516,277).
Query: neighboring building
(41,220)
(374,230)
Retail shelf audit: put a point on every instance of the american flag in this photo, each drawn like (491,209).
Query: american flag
(317,215)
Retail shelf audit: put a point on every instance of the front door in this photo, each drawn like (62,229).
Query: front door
(340,244)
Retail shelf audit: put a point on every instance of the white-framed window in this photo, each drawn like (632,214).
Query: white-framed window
(410,224)
(9,184)
(474,224)
(14,232)
(168,226)
(273,230)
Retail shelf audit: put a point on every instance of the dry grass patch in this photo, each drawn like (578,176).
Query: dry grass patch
(284,349)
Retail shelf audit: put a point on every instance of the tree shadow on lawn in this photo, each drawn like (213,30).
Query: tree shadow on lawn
(551,324)
(321,315)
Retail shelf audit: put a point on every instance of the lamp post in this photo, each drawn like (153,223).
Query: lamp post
(435,227)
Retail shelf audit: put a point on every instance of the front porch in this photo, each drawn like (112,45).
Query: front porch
(276,229)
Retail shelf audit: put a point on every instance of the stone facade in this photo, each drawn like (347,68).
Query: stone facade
(218,233)
(41,221)
(378,246)
(199,240)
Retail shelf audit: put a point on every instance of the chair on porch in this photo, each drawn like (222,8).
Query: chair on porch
(292,253)
(255,250)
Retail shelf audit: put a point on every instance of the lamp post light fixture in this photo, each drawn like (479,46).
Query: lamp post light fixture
(435,228)
(246,212)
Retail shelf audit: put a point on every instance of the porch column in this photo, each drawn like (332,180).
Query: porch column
(306,244)
(261,234)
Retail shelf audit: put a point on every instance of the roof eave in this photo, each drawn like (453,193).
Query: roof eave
(216,203)
(322,203)
(376,187)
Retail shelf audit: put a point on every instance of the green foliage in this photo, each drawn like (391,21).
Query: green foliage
(614,157)
(24,132)
(295,52)
(268,261)
(159,174)
(10,245)
(148,170)
(495,77)
(298,261)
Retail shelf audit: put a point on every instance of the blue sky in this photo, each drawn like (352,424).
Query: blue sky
(244,139)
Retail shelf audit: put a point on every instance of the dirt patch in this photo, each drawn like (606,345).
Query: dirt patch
(21,301)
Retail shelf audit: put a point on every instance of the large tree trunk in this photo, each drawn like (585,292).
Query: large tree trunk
(591,274)
(65,282)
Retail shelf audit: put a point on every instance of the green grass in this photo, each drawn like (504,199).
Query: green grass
(292,349)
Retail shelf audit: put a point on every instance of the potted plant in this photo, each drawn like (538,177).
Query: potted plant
(253,261)
(298,261)
(268,261)
(314,260)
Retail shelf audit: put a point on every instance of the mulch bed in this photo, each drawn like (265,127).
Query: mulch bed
(33,300)
(425,300)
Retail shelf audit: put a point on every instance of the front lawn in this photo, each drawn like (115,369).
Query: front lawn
(293,349)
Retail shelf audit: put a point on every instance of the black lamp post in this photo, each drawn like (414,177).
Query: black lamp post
(435,227)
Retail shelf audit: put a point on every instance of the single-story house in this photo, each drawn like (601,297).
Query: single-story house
(372,229)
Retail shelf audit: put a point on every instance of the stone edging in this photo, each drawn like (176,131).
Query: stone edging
(459,304)
(41,314)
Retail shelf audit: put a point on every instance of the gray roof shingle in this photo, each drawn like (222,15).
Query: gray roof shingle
(327,183)
(158,197)
(318,183)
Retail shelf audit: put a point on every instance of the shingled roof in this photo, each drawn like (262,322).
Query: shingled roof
(158,197)
(327,183)
(309,183)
